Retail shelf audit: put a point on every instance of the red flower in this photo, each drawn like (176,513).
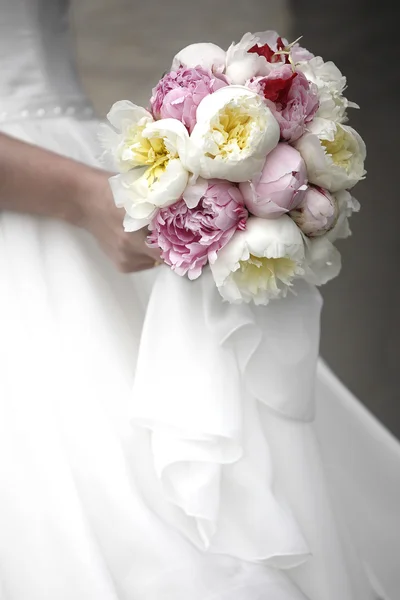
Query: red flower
(269,54)
(277,90)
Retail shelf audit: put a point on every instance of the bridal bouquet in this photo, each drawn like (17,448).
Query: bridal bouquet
(242,162)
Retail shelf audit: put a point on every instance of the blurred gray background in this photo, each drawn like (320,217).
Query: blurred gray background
(124,46)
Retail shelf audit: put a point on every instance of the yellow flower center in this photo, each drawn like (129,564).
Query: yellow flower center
(139,151)
(231,130)
(339,149)
(154,172)
(143,151)
(261,273)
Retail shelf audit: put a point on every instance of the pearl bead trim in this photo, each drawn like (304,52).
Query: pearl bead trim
(78,111)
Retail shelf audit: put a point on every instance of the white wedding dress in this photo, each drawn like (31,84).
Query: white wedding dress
(154,441)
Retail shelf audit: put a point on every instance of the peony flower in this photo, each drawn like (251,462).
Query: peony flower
(258,54)
(331,84)
(291,98)
(179,93)
(234,132)
(162,177)
(323,261)
(346,205)
(317,212)
(125,141)
(334,155)
(142,191)
(189,238)
(260,263)
(206,55)
(279,187)
(241,64)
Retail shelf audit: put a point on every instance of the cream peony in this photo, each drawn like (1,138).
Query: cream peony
(331,84)
(162,177)
(260,263)
(206,55)
(142,191)
(334,155)
(124,140)
(234,132)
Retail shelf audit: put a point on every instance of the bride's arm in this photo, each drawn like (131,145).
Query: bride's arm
(35,181)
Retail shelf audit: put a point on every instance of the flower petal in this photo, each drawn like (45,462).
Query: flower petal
(323,261)
(207,55)
(194,192)
(170,186)
(140,196)
(173,132)
(125,112)
(131,224)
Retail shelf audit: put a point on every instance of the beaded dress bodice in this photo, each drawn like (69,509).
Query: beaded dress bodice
(37,70)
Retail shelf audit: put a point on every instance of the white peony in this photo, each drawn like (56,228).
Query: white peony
(260,263)
(124,140)
(142,191)
(207,55)
(234,132)
(334,154)
(346,205)
(331,85)
(157,177)
(242,65)
(323,261)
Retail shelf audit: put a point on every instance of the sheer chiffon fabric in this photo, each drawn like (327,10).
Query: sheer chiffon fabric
(155,442)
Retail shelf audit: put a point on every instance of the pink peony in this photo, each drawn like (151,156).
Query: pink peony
(317,213)
(281,185)
(292,99)
(190,237)
(179,93)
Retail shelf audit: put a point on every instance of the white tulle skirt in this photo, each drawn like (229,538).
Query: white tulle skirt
(158,443)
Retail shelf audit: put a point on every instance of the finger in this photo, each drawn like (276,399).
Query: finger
(141,237)
(154,254)
(146,267)
(143,263)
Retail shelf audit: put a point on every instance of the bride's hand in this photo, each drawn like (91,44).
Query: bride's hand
(39,182)
(104,221)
